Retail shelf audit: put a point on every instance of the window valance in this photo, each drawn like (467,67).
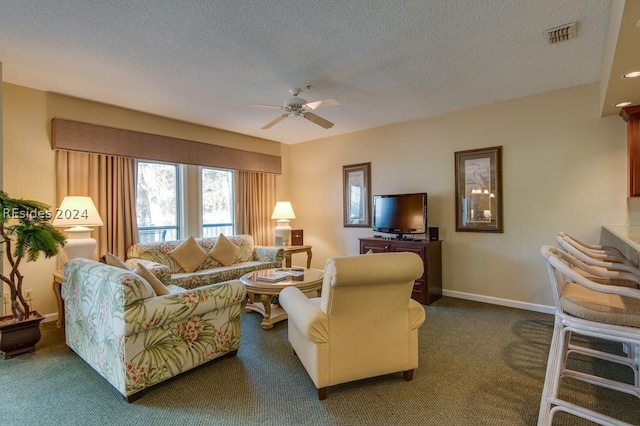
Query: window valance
(92,138)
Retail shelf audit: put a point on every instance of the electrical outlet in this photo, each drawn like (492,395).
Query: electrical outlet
(28,294)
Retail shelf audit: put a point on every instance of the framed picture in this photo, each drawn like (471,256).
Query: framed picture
(479,190)
(356,189)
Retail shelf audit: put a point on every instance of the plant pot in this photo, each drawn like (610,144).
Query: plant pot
(19,337)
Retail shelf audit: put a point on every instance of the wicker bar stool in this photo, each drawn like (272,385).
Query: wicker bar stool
(595,309)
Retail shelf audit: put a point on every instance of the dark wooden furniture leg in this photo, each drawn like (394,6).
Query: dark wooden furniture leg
(322,393)
(407,375)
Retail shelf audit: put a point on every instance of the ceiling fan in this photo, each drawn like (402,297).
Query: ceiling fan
(297,107)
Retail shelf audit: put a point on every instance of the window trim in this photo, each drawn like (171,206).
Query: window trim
(189,179)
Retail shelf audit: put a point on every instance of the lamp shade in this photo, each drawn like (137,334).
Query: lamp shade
(77,211)
(283,210)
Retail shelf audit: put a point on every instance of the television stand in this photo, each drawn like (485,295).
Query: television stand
(428,288)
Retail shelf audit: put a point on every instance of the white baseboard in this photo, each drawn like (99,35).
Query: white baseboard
(50,318)
(498,301)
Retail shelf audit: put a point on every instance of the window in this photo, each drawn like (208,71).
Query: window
(217,202)
(168,208)
(157,201)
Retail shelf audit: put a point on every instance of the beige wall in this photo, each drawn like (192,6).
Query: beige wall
(564,168)
(29,163)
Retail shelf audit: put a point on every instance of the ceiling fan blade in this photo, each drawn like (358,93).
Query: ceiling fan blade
(323,103)
(274,122)
(266,106)
(318,120)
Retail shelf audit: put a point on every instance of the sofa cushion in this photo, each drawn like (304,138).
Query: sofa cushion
(189,254)
(157,285)
(225,251)
(245,242)
(217,275)
(161,271)
(114,260)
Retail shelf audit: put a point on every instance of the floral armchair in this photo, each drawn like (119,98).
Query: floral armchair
(135,339)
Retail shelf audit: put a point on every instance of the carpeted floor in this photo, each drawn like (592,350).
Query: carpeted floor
(479,365)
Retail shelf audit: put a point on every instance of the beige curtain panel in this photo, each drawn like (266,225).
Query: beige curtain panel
(110,182)
(255,196)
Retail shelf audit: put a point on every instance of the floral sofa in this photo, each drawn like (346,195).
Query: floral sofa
(156,258)
(135,339)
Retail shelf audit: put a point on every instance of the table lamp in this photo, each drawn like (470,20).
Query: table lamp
(283,212)
(78,214)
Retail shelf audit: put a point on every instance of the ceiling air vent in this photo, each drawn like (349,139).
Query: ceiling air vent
(561,33)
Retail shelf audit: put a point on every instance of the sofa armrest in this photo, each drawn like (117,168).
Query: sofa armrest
(96,296)
(88,276)
(174,307)
(305,315)
(160,270)
(273,255)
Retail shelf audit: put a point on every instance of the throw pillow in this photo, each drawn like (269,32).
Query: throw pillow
(225,251)
(157,285)
(113,260)
(189,254)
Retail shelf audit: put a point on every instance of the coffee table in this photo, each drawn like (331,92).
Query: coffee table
(309,281)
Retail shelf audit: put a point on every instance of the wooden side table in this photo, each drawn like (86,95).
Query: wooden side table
(289,250)
(310,281)
(58,278)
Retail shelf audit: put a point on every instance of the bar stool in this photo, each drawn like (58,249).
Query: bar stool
(595,309)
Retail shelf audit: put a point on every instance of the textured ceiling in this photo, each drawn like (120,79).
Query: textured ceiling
(206,62)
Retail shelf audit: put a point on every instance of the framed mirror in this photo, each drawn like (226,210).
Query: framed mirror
(356,188)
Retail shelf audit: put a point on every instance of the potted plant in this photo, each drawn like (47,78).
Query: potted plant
(25,233)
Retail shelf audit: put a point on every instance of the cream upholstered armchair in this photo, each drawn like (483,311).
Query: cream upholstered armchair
(365,324)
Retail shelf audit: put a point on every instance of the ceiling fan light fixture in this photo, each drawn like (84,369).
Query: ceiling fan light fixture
(295,103)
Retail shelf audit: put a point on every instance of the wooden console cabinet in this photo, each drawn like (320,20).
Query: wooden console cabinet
(428,288)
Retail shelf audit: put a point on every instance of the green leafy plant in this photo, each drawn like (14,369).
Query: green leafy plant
(26,233)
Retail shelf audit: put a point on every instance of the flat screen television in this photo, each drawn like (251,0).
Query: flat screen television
(400,214)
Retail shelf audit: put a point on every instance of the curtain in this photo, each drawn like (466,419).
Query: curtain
(110,182)
(255,197)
